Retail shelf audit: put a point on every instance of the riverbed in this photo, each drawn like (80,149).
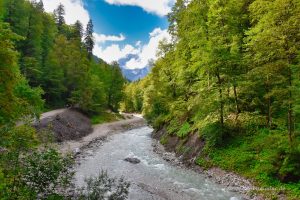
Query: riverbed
(153,177)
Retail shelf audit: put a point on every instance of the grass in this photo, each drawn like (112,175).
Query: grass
(105,117)
(184,130)
(257,157)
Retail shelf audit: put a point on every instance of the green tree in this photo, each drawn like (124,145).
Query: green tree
(17,98)
(9,75)
(115,86)
(273,44)
(78,30)
(59,13)
(89,38)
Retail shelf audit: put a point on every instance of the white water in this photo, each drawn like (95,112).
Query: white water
(153,178)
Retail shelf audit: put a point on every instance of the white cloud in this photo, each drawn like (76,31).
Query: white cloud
(144,53)
(138,43)
(101,38)
(158,7)
(74,10)
(148,51)
(114,52)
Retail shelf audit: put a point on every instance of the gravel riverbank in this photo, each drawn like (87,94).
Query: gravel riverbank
(100,132)
(230,180)
(94,140)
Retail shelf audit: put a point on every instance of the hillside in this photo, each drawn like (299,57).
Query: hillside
(46,64)
(225,92)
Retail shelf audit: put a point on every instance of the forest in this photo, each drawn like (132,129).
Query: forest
(45,64)
(231,75)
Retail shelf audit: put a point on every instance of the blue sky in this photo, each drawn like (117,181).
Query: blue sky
(122,27)
(132,21)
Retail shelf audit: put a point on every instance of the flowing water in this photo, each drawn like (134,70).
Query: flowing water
(153,177)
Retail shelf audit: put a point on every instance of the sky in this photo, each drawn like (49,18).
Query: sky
(121,27)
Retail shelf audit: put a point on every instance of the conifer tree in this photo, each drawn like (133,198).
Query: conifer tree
(59,13)
(40,5)
(78,30)
(89,38)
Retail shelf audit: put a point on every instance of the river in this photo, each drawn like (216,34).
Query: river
(153,177)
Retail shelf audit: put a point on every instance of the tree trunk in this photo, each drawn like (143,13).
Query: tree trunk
(221,100)
(290,111)
(269,103)
(237,107)
(269,113)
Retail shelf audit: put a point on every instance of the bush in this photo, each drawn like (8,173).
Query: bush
(184,130)
(164,140)
(46,172)
(173,126)
(103,187)
(213,134)
(290,168)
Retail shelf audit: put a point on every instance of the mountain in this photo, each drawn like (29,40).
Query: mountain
(130,74)
(133,74)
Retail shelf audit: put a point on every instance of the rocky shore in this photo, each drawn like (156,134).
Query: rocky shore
(230,180)
(84,146)
(100,132)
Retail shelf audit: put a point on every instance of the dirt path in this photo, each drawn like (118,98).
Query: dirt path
(52,113)
(101,131)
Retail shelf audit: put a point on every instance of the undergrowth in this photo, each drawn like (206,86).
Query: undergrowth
(105,117)
(265,157)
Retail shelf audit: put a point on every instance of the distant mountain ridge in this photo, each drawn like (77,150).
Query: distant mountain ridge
(133,74)
(129,74)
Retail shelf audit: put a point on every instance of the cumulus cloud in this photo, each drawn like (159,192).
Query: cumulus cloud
(144,53)
(158,7)
(74,10)
(148,51)
(114,52)
(101,38)
(138,43)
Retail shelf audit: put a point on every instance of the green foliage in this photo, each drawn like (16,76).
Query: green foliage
(27,172)
(17,141)
(184,130)
(289,170)
(54,58)
(47,171)
(133,97)
(104,187)
(89,38)
(203,162)
(232,72)
(43,58)
(105,117)
(173,126)
(16,97)
(262,156)
(213,134)
(164,139)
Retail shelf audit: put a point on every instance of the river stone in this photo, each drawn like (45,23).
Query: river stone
(132,160)
(76,151)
